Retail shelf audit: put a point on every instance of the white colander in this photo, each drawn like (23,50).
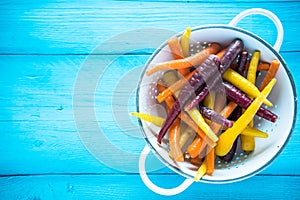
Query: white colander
(283,97)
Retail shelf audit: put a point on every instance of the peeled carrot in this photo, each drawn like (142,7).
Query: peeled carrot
(271,74)
(228,137)
(175,48)
(190,61)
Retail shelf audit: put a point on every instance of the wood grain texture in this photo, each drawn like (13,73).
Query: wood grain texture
(63,27)
(38,125)
(130,187)
(43,46)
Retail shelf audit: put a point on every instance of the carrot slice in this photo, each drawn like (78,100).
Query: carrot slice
(190,61)
(271,74)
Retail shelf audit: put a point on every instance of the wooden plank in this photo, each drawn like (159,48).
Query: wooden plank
(37,122)
(80,27)
(55,147)
(131,186)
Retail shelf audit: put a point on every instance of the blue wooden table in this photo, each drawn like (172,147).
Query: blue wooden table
(47,152)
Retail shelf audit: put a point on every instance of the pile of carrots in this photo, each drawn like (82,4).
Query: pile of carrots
(211,98)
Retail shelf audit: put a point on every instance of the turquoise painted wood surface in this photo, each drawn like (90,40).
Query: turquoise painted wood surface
(43,46)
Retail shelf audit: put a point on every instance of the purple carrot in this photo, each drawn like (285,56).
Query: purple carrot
(237,96)
(242,63)
(234,49)
(214,116)
(204,72)
(201,94)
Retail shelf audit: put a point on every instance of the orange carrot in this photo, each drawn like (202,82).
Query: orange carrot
(190,61)
(228,109)
(175,87)
(196,147)
(221,53)
(174,137)
(271,74)
(174,134)
(175,48)
(177,53)
(263,66)
(210,160)
(196,161)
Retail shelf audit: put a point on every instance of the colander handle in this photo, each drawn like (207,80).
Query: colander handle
(266,13)
(162,191)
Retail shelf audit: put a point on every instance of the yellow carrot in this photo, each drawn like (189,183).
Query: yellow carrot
(253,132)
(185,42)
(228,137)
(209,100)
(158,121)
(243,84)
(201,171)
(248,142)
(186,134)
(199,120)
(251,76)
